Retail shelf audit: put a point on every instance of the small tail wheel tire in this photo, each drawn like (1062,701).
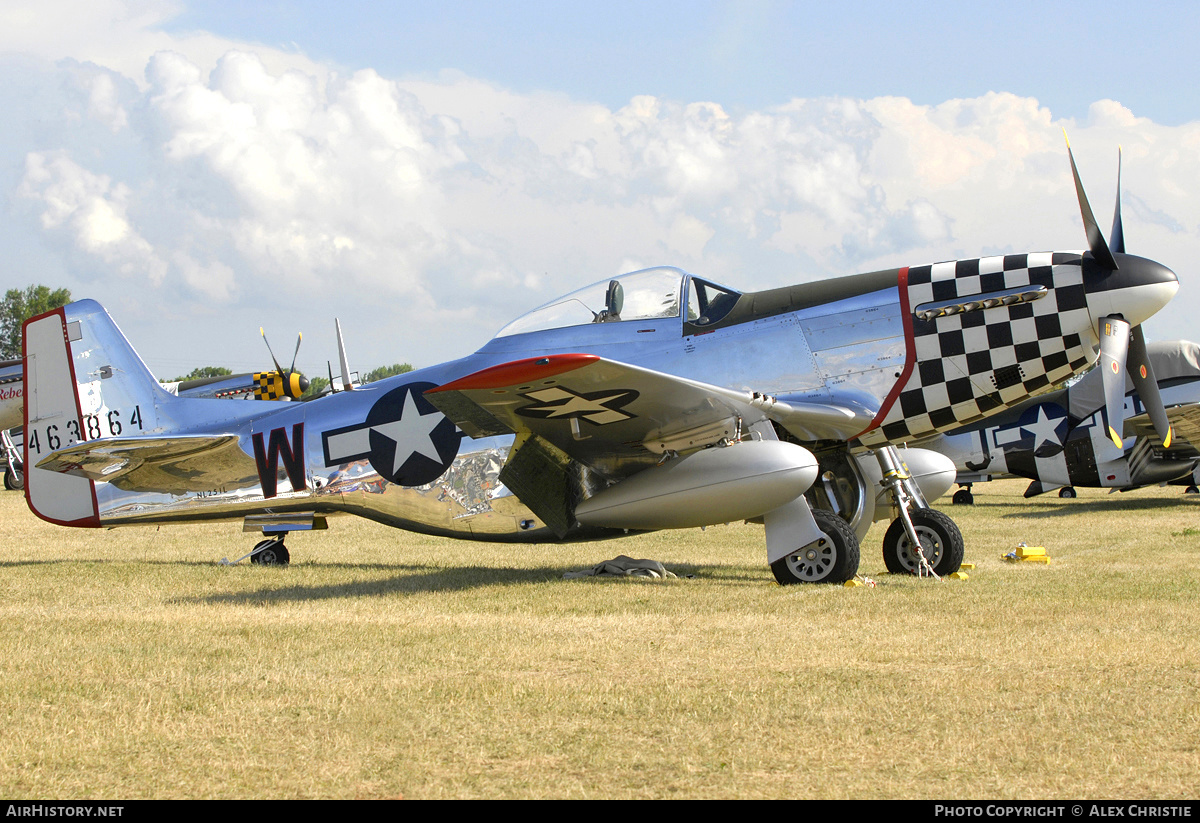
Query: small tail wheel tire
(1067,493)
(941,543)
(963,497)
(271,553)
(832,558)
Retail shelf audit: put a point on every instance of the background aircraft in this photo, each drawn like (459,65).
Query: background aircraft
(11,406)
(1060,439)
(653,400)
(11,393)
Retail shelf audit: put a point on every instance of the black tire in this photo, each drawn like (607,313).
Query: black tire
(271,553)
(1191,490)
(963,497)
(941,539)
(1067,493)
(14,479)
(832,559)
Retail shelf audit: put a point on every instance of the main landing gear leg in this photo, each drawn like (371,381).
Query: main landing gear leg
(920,541)
(14,471)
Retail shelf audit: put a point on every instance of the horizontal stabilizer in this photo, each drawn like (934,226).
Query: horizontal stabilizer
(173,465)
(285,522)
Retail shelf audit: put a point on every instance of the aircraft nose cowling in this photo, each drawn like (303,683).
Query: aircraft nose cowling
(1135,290)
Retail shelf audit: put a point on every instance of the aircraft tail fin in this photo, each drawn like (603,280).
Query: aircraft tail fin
(82,381)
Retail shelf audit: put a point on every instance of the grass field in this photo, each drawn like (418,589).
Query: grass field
(384,664)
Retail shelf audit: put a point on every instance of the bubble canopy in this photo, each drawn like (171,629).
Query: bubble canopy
(640,295)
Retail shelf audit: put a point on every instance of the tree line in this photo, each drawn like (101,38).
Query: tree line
(20,305)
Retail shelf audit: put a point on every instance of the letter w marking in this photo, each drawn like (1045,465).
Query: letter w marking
(279,448)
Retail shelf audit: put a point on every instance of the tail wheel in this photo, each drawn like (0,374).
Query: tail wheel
(941,544)
(271,553)
(833,558)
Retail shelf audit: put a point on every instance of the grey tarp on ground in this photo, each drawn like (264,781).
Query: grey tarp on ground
(623,567)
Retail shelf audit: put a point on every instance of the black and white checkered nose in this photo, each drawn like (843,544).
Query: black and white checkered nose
(1135,290)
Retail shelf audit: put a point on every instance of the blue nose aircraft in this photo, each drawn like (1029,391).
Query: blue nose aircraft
(653,400)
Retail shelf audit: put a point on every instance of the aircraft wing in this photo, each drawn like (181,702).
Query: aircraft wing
(171,465)
(1185,421)
(603,413)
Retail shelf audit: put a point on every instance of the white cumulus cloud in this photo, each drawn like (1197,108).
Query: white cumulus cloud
(91,210)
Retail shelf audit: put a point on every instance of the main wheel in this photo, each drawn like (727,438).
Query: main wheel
(833,558)
(941,543)
(271,553)
(1067,492)
(14,479)
(963,497)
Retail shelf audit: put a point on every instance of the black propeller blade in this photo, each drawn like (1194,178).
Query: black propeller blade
(1095,239)
(275,360)
(1117,235)
(1120,346)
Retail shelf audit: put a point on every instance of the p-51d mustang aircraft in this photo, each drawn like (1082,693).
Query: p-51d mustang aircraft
(1061,440)
(653,400)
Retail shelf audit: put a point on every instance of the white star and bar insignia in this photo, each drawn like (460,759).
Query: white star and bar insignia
(402,432)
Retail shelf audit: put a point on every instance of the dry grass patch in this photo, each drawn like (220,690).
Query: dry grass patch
(383,664)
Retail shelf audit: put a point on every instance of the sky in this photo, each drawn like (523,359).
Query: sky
(426,172)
